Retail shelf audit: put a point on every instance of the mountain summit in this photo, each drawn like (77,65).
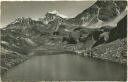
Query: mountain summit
(55,12)
(52,16)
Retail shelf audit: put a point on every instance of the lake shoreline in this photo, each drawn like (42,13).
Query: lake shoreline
(102,57)
(60,67)
(83,54)
(23,59)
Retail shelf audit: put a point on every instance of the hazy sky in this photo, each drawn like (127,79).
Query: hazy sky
(12,10)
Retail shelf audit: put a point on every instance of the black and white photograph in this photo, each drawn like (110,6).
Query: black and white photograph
(75,40)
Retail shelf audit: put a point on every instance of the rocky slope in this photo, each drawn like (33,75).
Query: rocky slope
(109,43)
(17,40)
(115,51)
(101,11)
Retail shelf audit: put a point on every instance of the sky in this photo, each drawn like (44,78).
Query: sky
(10,10)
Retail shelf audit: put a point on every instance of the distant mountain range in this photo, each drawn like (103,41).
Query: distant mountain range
(98,13)
(54,23)
(94,17)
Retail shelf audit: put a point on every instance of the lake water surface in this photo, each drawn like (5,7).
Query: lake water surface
(66,67)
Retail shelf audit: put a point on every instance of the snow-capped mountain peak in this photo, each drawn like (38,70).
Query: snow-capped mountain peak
(57,13)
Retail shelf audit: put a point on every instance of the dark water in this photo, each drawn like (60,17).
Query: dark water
(66,67)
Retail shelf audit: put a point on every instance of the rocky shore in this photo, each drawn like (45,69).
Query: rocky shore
(115,51)
(10,59)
